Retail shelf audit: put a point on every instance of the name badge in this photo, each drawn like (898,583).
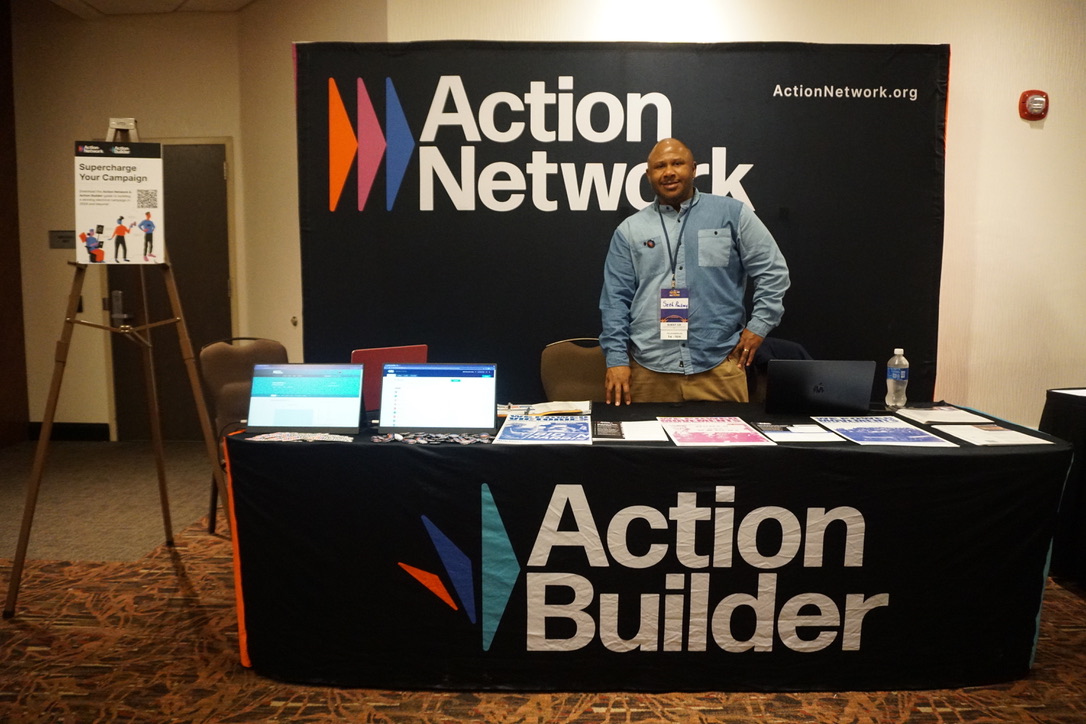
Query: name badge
(674,313)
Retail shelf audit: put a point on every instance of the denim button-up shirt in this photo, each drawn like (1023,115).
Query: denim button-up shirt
(716,244)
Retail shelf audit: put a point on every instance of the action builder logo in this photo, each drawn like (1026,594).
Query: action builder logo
(681,615)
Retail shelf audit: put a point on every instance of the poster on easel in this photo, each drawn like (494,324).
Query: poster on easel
(118,203)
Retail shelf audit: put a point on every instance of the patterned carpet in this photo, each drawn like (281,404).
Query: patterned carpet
(156,641)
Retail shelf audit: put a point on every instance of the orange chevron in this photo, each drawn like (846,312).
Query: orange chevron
(432,582)
(342,145)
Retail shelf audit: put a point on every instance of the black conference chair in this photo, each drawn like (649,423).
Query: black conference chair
(573,369)
(226,368)
(772,348)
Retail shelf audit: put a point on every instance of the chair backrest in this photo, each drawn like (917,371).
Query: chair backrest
(226,367)
(573,369)
(373,361)
(771,349)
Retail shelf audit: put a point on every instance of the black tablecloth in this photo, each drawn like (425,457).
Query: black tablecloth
(642,566)
(1065,417)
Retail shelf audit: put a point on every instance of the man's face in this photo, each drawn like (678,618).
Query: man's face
(671,171)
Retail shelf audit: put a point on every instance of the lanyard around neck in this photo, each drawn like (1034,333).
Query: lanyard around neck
(674,258)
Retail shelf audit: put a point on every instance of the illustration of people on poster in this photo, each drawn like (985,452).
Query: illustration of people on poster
(118,203)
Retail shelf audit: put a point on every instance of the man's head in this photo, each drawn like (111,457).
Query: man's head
(671,170)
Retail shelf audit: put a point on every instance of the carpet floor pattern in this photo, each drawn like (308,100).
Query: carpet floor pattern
(156,641)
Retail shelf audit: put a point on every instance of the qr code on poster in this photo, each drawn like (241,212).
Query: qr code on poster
(147,198)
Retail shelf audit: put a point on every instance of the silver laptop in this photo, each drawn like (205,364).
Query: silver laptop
(304,397)
(819,387)
(438,397)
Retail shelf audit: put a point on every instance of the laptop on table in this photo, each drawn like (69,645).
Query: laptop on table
(301,397)
(438,397)
(819,387)
(374,358)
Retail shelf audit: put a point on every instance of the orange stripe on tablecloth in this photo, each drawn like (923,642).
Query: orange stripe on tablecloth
(243,634)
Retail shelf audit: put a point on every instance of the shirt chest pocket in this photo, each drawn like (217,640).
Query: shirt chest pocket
(714,247)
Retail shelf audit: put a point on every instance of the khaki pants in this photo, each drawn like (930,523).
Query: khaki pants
(725,382)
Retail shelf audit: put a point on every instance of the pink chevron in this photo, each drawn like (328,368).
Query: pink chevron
(371,144)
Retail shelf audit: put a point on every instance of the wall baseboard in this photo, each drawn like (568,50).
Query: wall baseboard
(86,431)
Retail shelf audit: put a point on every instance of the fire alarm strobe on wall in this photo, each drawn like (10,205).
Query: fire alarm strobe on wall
(1033,105)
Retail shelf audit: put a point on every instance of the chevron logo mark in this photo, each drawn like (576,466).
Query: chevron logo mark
(367,143)
(498,570)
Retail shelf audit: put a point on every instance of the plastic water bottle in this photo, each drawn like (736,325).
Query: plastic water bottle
(897,379)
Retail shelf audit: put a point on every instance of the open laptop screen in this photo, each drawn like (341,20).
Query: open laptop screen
(438,397)
(303,397)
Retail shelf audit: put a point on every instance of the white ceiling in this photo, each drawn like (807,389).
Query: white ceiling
(94,9)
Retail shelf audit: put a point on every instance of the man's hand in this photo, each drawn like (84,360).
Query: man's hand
(743,354)
(617,385)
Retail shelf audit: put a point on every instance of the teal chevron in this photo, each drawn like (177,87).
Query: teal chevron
(500,568)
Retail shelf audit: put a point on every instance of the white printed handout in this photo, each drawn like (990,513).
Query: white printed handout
(118,203)
(629,430)
(940,413)
(991,434)
(562,407)
(798,433)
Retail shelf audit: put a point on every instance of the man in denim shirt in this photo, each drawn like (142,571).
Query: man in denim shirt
(674,324)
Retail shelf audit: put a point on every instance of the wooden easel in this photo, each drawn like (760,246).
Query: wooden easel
(134,333)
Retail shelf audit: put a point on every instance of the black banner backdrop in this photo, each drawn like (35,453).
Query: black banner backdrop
(463,194)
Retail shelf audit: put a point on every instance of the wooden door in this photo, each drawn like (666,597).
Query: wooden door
(196,231)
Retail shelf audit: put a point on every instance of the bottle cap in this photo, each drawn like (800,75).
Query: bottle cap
(899,350)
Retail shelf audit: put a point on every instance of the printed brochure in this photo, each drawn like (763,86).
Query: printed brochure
(712,431)
(549,429)
(887,430)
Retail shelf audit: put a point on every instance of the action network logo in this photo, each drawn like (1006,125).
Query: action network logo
(498,570)
(541,170)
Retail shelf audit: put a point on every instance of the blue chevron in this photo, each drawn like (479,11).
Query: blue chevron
(457,565)
(401,144)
